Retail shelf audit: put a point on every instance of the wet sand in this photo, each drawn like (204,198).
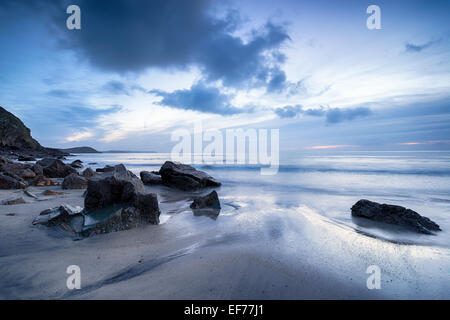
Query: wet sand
(254,250)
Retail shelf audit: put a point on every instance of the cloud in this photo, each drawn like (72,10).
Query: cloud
(126,36)
(410,47)
(288,111)
(200,98)
(332,115)
(79,136)
(59,93)
(336,115)
(277,82)
(115,87)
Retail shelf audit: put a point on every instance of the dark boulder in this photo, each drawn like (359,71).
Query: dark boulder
(115,186)
(88,173)
(77,164)
(55,168)
(184,177)
(395,215)
(208,205)
(150,178)
(7,182)
(74,181)
(211,200)
(148,207)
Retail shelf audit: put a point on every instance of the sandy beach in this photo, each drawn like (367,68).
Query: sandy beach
(275,254)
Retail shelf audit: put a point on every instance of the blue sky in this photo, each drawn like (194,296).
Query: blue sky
(138,70)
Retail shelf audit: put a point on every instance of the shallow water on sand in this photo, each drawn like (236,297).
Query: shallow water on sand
(286,236)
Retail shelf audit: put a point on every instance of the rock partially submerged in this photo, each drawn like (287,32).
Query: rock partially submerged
(88,173)
(395,215)
(77,164)
(208,205)
(74,181)
(150,178)
(185,177)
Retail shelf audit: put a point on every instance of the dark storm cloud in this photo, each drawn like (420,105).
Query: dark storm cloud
(131,36)
(199,98)
(332,115)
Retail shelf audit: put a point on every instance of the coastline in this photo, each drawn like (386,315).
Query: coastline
(256,249)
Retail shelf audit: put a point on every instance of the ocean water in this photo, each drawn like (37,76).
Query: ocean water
(326,185)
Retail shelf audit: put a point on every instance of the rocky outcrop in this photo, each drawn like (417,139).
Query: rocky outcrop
(148,207)
(74,181)
(150,178)
(117,185)
(55,168)
(14,134)
(185,177)
(80,150)
(395,215)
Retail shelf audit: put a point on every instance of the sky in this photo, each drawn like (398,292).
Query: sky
(137,71)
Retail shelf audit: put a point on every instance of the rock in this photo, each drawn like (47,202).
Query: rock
(55,168)
(211,200)
(28,174)
(74,181)
(148,207)
(77,164)
(30,194)
(395,215)
(150,178)
(26,158)
(14,134)
(37,169)
(13,201)
(59,215)
(41,181)
(114,186)
(88,173)
(105,169)
(52,193)
(7,182)
(184,177)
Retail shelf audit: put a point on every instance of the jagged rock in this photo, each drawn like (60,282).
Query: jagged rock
(150,178)
(74,181)
(7,182)
(77,164)
(147,204)
(395,215)
(41,181)
(13,201)
(184,177)
(88,173)
(58,215)
(211,200)
(55,168)
(30,194)
(114,186)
